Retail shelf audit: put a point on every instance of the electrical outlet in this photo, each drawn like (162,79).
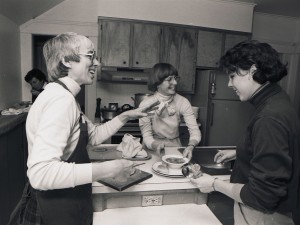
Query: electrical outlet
(152,200)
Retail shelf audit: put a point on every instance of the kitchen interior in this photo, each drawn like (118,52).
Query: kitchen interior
(130,37)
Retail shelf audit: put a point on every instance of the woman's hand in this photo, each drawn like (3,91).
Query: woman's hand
(137,113)
(131,115)
(204,183)
(119,169)
(225,156)
(188,152)
(126,170)
(126,167)
(159,147)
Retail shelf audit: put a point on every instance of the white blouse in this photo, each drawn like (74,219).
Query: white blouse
(52,129)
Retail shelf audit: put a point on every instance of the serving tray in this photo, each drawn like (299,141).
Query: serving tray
(121,184)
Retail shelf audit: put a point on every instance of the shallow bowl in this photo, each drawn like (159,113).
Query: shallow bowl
(174,161)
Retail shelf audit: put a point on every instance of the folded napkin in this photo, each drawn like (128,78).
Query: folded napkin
(131,147)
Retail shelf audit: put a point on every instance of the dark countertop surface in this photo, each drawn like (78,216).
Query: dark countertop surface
(7,123)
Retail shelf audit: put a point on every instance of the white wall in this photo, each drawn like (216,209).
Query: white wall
(280,31)
(10,75)
(81,16)
(283,33)
(191,12)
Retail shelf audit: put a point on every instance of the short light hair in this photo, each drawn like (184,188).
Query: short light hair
(63,46)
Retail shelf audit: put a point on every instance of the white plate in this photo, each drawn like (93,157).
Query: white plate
(175,173)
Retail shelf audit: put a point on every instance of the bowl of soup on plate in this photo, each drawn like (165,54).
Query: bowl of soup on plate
(174,161)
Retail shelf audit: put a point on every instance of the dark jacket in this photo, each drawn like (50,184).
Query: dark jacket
(268,155)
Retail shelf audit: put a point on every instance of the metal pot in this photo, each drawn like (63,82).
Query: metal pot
(126,107)
(109,114)
(139,97)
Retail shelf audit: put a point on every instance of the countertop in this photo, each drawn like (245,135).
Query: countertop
(134,126)
(187,214)
(7,123)
(156,182)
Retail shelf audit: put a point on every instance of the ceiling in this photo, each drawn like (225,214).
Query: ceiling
(289,8)
(21,11)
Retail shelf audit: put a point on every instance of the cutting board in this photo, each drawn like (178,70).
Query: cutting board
(122,184)
(107,152)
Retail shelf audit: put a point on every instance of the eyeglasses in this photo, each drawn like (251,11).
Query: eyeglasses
(91,56)
(171,78)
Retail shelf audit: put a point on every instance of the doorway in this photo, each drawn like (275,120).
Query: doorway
(39,63)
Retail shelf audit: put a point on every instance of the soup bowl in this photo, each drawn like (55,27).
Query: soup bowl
(174,161)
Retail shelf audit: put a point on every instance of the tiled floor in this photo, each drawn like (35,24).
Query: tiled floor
(222,207)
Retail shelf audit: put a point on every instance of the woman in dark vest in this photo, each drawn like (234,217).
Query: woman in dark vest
(60,173)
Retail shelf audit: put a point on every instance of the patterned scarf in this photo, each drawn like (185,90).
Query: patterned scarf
(165,101)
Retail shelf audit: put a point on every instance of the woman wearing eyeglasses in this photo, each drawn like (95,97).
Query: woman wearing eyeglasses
(60,173)
(162,129)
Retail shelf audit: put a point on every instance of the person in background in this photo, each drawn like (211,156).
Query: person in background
(60,173)
(264,183)
(162,129)
(38,80)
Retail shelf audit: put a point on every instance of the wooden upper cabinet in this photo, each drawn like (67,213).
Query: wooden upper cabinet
(128,44)
(233,39)
(179,49)
(209,48)
(146,45)
(115,43)
(134,44)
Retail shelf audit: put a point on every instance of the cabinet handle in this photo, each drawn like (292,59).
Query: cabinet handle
(213,83)
(136,62)
(212,114)
(124,62)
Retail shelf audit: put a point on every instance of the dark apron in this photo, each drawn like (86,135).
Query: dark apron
(69,206)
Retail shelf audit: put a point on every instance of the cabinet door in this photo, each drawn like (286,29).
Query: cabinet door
(146,45)
(209,48)
(233,39)
(12,170)
(115,43)
(179,49)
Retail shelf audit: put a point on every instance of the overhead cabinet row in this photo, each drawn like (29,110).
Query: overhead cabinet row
(130,45)
(135,45)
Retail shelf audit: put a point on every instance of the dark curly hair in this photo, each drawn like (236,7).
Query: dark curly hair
(159,72)
(38,74)
(262,55)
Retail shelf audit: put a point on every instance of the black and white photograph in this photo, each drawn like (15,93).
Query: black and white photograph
(143,112)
